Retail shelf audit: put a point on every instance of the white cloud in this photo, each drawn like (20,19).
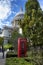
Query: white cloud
(42,7)
(16,5)
(23,0)
(8,23)
(0,24)
(13,0)
(41,3)
(5,24)
(14,12)
(5,9)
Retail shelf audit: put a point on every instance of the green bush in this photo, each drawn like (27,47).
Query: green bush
(7,46)
(17,61)
(11,54)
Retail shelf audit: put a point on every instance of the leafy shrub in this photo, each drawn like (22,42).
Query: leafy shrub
(17,61)
(7,46)
(10,54)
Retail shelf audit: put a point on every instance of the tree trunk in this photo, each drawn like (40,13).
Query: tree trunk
(3,51)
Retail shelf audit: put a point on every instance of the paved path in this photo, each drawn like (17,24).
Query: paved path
(2,61)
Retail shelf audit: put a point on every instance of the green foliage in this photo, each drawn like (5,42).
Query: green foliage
(15,34)
(1,40)
(10,54)
(7,46)
(14,39)
(17,61)
(32,24)
(31,4)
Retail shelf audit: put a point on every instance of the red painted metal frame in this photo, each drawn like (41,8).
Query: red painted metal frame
(20,42)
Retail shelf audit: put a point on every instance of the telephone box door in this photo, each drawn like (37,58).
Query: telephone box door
(22,47)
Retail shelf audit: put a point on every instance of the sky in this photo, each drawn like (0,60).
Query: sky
(9,8)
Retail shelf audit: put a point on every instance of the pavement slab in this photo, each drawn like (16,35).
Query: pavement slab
(2,60)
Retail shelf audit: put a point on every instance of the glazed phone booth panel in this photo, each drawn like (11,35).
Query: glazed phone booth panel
(22,47)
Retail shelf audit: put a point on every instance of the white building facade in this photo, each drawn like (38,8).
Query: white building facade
(6,32)
(15,23)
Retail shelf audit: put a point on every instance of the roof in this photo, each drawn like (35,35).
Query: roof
(18,16)
(8,27)
(19,13)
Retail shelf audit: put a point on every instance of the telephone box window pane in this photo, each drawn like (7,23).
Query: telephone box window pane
(22,45)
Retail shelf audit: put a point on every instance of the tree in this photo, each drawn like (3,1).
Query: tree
(32,24)
(14,39)
(1,41)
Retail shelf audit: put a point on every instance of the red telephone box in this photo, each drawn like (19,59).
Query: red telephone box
(22,47)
